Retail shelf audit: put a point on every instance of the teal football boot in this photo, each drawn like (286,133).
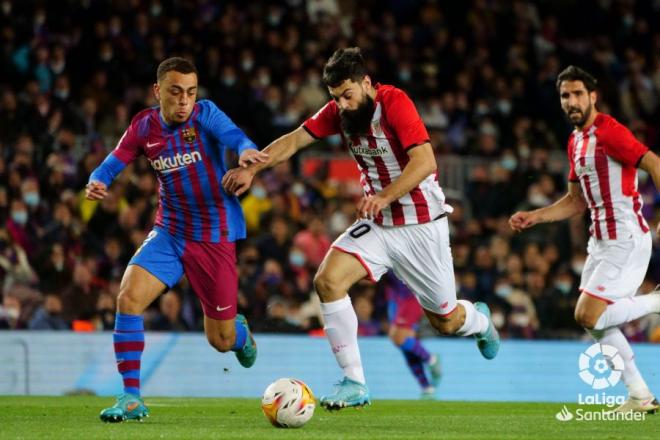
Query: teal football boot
(347,393)
(248,354)
(488,341)
(128,407)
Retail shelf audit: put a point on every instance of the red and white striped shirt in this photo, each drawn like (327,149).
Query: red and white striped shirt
(604,158)
(381,154)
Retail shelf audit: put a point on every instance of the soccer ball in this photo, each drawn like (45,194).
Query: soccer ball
(288,403)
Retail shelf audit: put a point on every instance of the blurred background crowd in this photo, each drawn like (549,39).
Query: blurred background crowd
(482,74)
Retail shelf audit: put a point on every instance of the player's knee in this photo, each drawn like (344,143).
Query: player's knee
(127,302)
(585,319)
(326,287)
(396,336)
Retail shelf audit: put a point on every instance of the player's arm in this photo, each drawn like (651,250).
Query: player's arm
(238,180)
(568,206)
(126,151)
(229,134)
(651,164)
(421,165)
(283,148)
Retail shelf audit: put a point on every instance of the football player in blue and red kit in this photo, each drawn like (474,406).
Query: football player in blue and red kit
(196,224)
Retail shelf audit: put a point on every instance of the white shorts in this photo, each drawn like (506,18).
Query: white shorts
(616,268)
(419,255)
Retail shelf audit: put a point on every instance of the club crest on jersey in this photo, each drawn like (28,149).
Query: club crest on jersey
(189,135)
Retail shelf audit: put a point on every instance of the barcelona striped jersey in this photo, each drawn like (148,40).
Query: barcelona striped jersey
(189,162)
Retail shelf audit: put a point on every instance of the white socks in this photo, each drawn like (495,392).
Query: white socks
(631,376)
(341,326)
(475,321)
(628,309)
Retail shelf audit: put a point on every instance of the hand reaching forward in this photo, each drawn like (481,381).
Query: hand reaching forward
(252,156)
(237,180)
(523,220)
(96,190)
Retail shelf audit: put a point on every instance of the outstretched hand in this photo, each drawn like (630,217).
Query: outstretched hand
(523,220)
(96,190)
(251,156)
(237,180)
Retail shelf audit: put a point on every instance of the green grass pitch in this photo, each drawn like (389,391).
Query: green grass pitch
(188,418)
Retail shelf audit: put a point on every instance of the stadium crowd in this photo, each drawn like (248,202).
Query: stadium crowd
(482,75)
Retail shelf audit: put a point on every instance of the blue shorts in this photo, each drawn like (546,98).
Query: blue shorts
(209,267)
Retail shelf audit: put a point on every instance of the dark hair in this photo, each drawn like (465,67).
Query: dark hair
(574,73)
(344,64)
(176,64)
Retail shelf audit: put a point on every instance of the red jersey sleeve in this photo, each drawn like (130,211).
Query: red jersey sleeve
(325,122)
(622,146)
(572,177)
(402,116)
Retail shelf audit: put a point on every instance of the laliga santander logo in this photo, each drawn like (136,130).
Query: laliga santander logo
(601,366)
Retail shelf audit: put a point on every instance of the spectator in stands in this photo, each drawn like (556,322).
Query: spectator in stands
(49,315)
(169,316)
(66,94)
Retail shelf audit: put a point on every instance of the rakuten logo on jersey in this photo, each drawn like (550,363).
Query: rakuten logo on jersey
(169,164)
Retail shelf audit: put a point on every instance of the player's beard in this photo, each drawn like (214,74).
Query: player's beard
(358,121)
(583,120)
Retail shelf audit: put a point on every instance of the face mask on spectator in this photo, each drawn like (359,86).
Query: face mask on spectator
(39,19)
(298,189)
(106,55)
(563,286)
(156,9)
(247,65)
(229,81)
(273,104)
(509,163)
(405,75)
(61,93)
(481,109)
(503,290)
(297,259)
(264,80)
(538,199)
(31,198)
(504,106)
(19,217)
(274,19)
(6,8)
(258,192)
(577,266)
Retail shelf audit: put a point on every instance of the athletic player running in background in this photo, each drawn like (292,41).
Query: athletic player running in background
(404,314)
(603,157)
(195,228)
(402,216)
